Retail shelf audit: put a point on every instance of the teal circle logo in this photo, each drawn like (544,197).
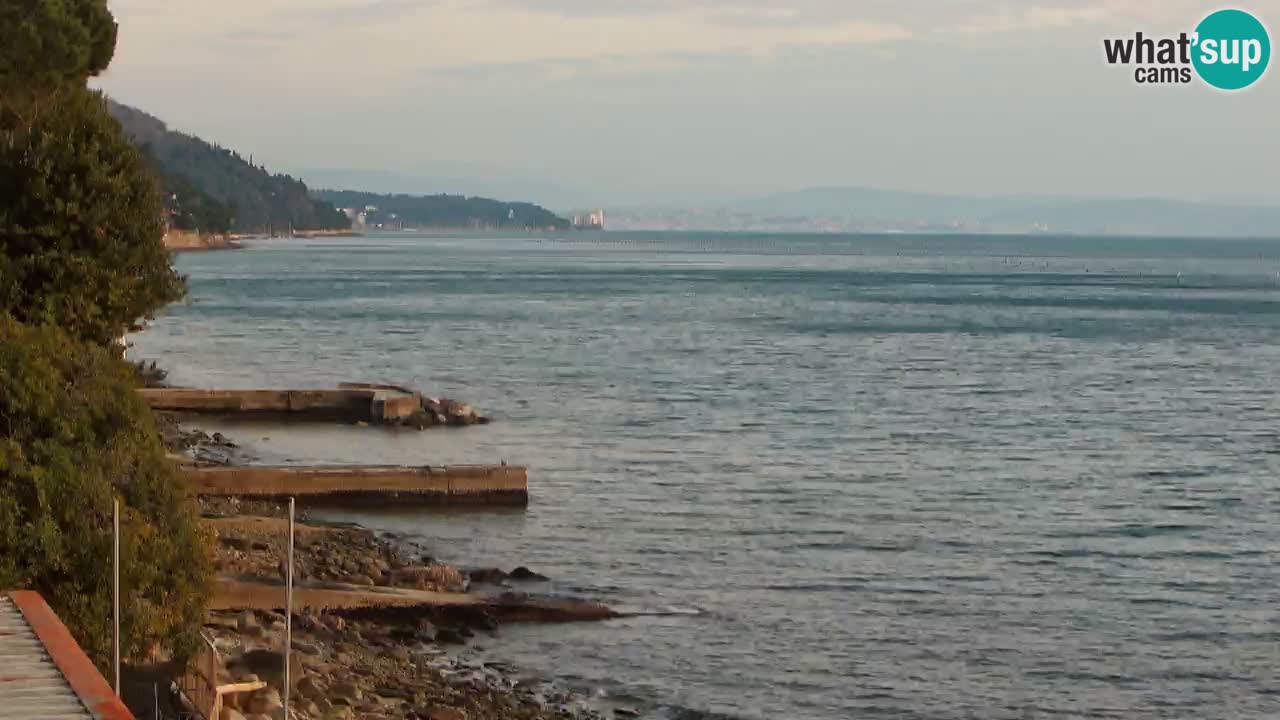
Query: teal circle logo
(1231,49)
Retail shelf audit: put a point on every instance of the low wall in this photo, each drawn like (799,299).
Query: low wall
(369,485)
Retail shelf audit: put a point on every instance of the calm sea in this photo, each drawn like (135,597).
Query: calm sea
(848,476)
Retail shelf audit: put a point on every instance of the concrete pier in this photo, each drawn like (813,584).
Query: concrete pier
(368,484)
(347,404)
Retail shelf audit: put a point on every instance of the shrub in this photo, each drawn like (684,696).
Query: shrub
(76,436)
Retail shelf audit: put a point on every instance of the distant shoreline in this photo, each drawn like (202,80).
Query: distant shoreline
(187,241)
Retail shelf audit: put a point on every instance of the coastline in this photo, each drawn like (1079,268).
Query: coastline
(187,241)
(358,662)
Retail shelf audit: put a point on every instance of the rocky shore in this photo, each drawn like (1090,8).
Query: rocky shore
(368,663)
(363,662)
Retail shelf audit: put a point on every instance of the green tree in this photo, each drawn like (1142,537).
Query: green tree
(80,218)
(76,437)
(81,260)
(45,42)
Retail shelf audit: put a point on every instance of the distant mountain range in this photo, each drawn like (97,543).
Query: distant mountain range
(856,209)
(214,183)
(930,211)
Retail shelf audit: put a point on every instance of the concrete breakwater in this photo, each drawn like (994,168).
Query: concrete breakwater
(349,402)
(368,485)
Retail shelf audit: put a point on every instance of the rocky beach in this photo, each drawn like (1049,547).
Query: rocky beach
(362,658)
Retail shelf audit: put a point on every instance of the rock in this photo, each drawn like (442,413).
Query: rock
(248,624)
(419,419)
(230,713)
(489,576)
(264,702)
(441,712)
(269,664)
(306,648)
(374,569)
(524,573)
(311,687)
(449,636)
(361,580)
(347,692)
(625,713)
(438,578)
(339,712)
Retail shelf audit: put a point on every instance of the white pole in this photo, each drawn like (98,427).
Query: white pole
(115,590)
(288,612)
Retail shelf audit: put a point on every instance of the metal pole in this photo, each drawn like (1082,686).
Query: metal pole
(288,612)
(115,590)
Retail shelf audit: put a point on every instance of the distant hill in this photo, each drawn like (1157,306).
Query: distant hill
(216,186)
(865,208)
(443,211)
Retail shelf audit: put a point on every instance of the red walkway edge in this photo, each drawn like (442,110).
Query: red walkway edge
(81,674)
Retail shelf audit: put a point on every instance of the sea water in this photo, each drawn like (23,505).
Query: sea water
(839,476)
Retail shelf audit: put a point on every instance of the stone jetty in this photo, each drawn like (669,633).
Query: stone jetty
(367,484)
(349,402)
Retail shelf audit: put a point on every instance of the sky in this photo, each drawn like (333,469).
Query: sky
(646,101)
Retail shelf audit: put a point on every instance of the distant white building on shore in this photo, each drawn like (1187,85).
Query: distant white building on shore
(590,220)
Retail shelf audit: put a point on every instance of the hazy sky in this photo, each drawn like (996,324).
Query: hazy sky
(646,99)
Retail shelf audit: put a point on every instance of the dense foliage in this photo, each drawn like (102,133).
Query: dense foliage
(186,207)
(445,211)
(81,260)
(80,218)
(77,435)
(259,201)
(45,42)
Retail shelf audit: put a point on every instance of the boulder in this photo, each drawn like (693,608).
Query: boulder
(306,648)
(346,692)
(339,712)
(269,665)
(311,687)
(248,622)
(438,578)
(488,576)
(265,702)
(524,573)
(230,713)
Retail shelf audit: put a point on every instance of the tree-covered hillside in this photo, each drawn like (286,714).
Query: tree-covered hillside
(444,211)
(258,201)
